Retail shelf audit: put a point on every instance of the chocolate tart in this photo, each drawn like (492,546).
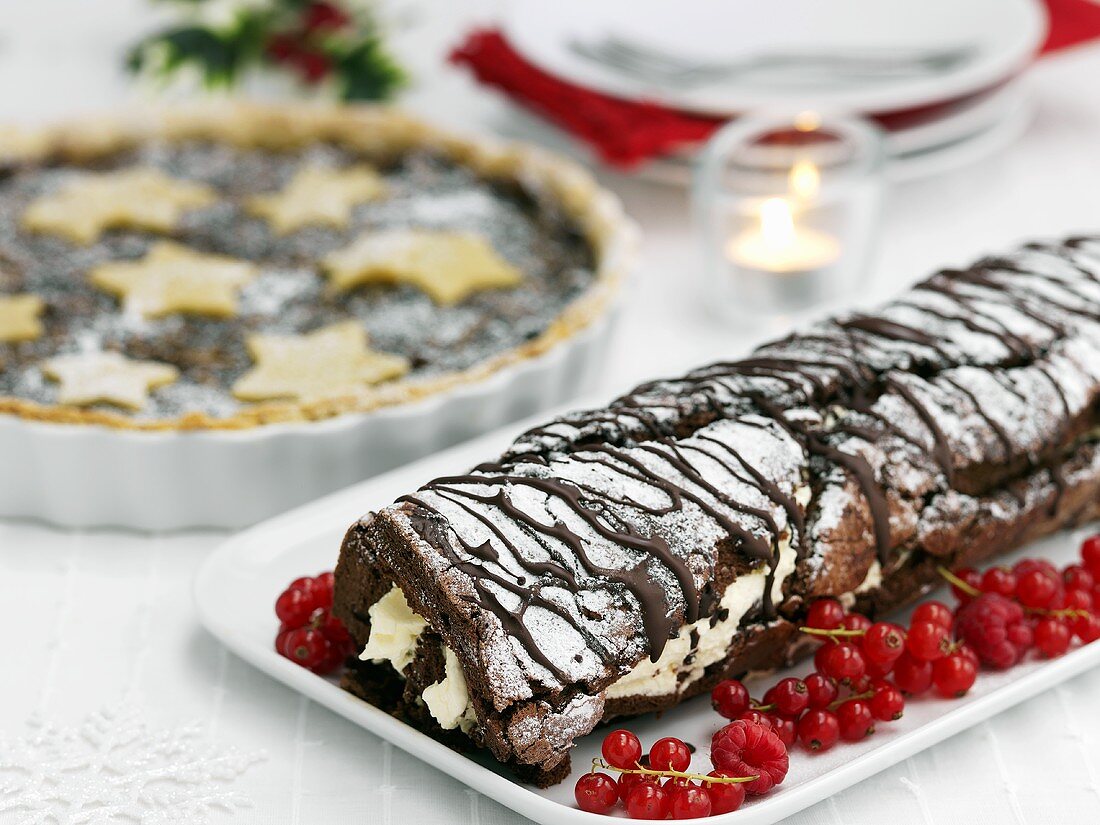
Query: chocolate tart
(187,246)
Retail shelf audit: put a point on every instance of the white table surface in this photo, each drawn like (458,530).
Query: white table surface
(95,620)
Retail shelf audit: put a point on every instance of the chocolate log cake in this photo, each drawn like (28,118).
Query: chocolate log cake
(620,560)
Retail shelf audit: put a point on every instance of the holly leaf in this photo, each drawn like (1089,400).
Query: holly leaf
(218,58)
(368,72)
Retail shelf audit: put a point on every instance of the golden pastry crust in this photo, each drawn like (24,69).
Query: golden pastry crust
(376,134)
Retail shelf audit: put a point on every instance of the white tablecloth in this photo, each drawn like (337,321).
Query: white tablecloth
(102,622)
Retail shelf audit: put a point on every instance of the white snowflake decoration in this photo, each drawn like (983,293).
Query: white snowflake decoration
(114,768)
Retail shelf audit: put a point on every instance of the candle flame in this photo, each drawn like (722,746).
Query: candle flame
(776,223)
(804,179)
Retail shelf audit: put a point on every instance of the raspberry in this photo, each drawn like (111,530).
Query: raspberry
(1090,554)
(819,729)
(994,627)
(669,754)
(747,749)
(1052,637)
(622,749)
(725,797)
(596,793)
(730,698)
(825,614)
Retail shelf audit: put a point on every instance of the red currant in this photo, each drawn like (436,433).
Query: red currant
(1090,554)
(954,675)
(294,606)
(789,696)
(596,793)
(757,717)
(1036,589)
(690,803)
(1028,565)
(669,754)
(971,577)
(1077,600)
(912,675)
(887,703)
(821,691)
(935,613)
(856,720)
(674,782)
(825,614)
(647,801)
(280,642)
(883,643)
(627,781)
(1052,637)
(725,797)
(784,728)
(730,698)
(855,621)
(842,661)
(307,647)
(999,580)
(819,729)
(927,641)
(1078,577)
(622,749)
(1087,628)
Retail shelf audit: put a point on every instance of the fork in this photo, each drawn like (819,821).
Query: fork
(634,59)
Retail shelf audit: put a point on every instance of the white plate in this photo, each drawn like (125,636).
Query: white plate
(237,586)
(1004,34)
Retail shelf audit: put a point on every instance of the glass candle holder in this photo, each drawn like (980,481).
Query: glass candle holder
(787,208)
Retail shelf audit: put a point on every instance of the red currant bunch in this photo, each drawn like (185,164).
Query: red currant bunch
(309,635)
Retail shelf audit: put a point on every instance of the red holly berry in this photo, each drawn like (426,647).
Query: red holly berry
(821,691)
(281,48)
(999,580)
(647,801)
(725,797)
(747,749)
(927,641)
(690,803)
(321,16)
(1090,554)
(730,698)
(842,661)
(825,614)
(954,675)
(994,628)
(1036,589)
(312,66)
(819,729)
(969,576)
(912,675)
(887,703)
(622,749)
(596,793)
(856,720)
(669,754)
(883,643)
(1052,637)
(789,696)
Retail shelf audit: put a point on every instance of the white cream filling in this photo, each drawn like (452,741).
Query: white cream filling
(394,630)
(448,701)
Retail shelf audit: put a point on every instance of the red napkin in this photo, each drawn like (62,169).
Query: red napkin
(627,133)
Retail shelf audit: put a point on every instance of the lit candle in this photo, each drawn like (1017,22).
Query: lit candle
(779,245)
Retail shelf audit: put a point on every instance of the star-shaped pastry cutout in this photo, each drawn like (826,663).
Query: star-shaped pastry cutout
(331,362)
(107,378)
(448,266)
(139,198)
(172,278)
(318,196)
(19,318)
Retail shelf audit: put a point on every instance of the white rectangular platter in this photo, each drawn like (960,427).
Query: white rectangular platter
(236,589)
